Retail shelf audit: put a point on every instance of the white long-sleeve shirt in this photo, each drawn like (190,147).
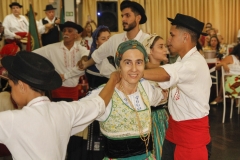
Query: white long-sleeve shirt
(13,24)
(41,130)
(190,85)
(65,60)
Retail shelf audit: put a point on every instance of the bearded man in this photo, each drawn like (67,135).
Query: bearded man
(133,14)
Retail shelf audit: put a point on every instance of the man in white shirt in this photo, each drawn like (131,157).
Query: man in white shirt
(133,14)
(48,26)
(189,81)
(40,129)
(15,25)
(64,56)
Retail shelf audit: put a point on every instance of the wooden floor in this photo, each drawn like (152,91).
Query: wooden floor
(225,136)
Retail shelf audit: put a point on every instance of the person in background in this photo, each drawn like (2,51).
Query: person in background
(202,38)
(64,55)
(95,79)
(133,14)
(82,41)
(187,136)
(88,31)
(15,26)
(213,43)
(230,64)
(126,123)
(157,53)
(48,26)
(40,129)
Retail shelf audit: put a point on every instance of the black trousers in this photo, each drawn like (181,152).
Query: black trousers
(169,148)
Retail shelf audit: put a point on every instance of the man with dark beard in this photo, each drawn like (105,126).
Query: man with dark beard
(132,14)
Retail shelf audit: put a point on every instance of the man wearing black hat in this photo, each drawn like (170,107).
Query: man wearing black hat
(40,129)
(133,14)
(48,26)
(189,81)
(15,25)
(64,56)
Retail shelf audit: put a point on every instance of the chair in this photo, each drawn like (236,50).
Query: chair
(214,71)
(225,95)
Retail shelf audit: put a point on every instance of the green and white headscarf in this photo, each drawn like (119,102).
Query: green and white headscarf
(131,44)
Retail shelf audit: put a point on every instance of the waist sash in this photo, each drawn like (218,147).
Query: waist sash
(190,137)
(126,147)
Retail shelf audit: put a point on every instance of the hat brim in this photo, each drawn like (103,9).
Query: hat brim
(50,9)
(55,82)
(20,6)
(175,22)
(143,19)
(62,26)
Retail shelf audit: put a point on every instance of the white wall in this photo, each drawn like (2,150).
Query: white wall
(69,10)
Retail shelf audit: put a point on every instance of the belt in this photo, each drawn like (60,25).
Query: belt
(126,147)
(161,106)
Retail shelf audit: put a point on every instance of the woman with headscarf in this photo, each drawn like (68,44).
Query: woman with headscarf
(157,54)
(95,140)
(95,78)
(126,123)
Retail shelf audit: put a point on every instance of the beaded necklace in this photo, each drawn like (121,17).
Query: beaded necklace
(144,138)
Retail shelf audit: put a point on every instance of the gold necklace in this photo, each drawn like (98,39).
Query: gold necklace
(144,138)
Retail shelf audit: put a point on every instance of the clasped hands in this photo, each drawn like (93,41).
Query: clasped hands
(83,63)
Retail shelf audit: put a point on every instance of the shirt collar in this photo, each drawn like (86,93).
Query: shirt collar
(73,47)
(38,101)
(138,36)
(16,17)
(189,53)
(51,21)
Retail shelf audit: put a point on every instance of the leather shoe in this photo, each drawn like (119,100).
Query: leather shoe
(213,103)
(216,101)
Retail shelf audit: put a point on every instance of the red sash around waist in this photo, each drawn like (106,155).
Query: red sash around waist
(190,137)
(23,39)
(66,92)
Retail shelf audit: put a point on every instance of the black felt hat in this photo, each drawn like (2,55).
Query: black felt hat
(33,69)
(72,25)
(49,7)
(15,4)
(188,22)
(137,6)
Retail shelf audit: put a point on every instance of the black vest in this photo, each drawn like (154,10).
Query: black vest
(52,36)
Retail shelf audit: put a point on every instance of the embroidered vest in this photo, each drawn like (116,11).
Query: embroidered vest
(122,122)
